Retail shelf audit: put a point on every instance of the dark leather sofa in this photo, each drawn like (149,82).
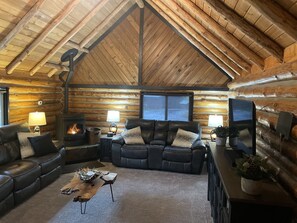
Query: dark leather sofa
(157,153)
(21,178)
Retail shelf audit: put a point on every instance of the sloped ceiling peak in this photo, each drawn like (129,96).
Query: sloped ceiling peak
(167,60)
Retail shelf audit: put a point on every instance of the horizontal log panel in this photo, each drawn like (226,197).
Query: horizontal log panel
(104,95)
(104,107)
(16,111)
(280,89)
(106,101)
(34,97)
(210,104)
(277,105)
(21,90)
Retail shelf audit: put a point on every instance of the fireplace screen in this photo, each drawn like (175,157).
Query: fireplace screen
(75,128)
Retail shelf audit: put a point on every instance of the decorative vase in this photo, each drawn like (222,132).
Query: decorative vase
(252,187)
(233,141)
(221,141)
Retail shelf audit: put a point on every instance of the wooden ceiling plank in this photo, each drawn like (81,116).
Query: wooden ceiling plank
(77,46)
(194,42)
(186,17)
(277,15)
(251,31)
(199,38)
(52,72)
(66,38)
(21,24)
(29,49)
(231,40)
(104,23)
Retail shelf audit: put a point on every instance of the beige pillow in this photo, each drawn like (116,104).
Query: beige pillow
(184,138)
(25,145)
(133,136)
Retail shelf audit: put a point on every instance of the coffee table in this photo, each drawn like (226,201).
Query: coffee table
(84,191)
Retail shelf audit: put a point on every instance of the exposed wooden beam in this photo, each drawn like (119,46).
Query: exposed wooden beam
(228,38)
(76,46)
(66,38)
(284,71)
(21,24)
(29,49)
(56,66)
(52,72)
(208,36)
(104,23)
(140,48)
(140,3)
(277,15)
(249,30)
(216,61)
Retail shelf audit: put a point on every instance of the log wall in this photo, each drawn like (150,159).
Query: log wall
(25,92)
(95,103)
(274,90)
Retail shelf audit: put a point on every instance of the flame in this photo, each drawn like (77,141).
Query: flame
(73,129)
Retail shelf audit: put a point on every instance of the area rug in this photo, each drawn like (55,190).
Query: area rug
(69,168)
(144,196)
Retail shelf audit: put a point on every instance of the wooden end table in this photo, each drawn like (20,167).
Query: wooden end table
(86,190)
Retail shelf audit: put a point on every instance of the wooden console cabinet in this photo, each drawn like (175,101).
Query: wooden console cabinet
(230,204)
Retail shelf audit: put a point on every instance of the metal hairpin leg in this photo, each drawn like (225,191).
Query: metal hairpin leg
(83,210)
(111,192)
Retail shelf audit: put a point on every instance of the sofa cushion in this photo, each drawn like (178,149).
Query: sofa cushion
(6,186)
(47,162)
(133,136)
(25,145)
(4,155)
(42,145)
(23,172)
(184,138)
(177,154)
(175,125)
(147,128)
(134,151)
(161,130)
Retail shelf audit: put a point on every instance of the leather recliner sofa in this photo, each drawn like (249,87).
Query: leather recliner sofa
(157,152)
(21,178)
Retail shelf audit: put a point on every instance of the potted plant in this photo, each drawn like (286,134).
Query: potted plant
(221,133)
(252,169)
(233,136)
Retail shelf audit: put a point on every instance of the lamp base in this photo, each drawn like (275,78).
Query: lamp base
(110,134)
(36,129)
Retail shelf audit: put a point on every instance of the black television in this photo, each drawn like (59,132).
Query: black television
(242,115)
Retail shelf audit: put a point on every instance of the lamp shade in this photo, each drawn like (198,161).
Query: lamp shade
(113,116)
(215,120)
(36,119)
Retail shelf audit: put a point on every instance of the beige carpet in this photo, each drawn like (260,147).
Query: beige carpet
(141,196)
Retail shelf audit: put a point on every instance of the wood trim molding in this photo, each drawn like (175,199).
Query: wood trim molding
(140,52)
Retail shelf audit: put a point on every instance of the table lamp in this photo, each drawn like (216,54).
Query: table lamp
(113,117)
(36,119)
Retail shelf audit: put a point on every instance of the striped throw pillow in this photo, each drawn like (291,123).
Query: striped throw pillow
(133,136)
(184,138)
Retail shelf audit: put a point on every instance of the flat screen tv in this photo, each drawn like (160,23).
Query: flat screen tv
(242,115)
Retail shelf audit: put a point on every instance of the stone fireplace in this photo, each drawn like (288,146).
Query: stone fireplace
(70,129)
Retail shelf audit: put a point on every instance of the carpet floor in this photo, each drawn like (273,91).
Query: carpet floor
(141,196)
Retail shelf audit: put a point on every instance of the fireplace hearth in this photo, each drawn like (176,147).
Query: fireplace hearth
(71,129)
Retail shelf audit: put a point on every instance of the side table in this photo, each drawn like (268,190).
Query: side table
(105,148)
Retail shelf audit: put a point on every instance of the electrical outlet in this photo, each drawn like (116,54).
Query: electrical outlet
(39,103)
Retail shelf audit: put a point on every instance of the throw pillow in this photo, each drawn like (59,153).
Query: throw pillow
(42,145)
(25,145)
(184,138)
(133,136)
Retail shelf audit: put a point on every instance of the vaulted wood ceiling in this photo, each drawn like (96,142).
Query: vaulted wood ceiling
(233,35)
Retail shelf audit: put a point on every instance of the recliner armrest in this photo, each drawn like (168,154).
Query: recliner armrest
(198,144)
(118,139)
(158,142)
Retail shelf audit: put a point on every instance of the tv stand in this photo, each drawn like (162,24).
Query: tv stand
(230,204)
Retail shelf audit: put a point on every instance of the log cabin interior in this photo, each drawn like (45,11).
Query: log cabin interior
(215,49)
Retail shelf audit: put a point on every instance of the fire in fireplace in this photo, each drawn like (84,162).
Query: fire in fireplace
(71,129)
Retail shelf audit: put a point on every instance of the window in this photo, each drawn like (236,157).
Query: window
(3,106)
(166,106)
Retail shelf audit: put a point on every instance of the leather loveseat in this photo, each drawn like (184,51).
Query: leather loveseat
(157,152)
(21,178)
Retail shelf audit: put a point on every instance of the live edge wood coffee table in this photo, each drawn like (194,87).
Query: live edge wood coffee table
(84,191)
